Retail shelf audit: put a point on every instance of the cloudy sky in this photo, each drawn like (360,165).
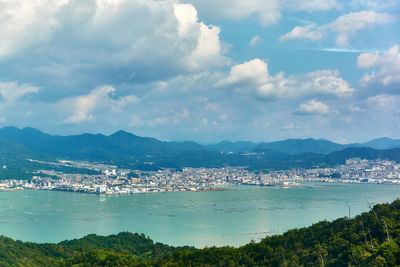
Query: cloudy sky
(203,70)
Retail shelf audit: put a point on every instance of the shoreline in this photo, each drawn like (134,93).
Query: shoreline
(214,189)
(205,189)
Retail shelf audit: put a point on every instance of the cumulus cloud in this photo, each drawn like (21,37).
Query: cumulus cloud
(171,62)
(114,43)
(387,64)
(267,11)
(26,23)
(81,108)
(313,107)
(208,44)
(254,75)
(344,27)
(250,73)
(12,91)
(384,102)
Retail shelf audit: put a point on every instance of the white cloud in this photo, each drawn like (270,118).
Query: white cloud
(82,108)
(312,5)
(267,11)
(305,32)
(119,104)
(373,4)
(254,41)
(12,91)
(384,102)
(313,107)
(349,24)
(388,64)
(133,39)
(25,23)
(355,108)
(208,46)
(344,26)
(250,73)
(254,75)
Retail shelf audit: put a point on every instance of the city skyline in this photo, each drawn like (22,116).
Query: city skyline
(202,71)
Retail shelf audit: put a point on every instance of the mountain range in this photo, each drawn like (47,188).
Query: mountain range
(298,146)
(134,151)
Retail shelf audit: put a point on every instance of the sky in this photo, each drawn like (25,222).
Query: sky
(202,70)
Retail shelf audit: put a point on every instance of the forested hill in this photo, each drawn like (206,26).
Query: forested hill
(369,239)
(135,152)
(126,146)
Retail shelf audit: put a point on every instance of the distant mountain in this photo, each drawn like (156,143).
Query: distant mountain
(298,146)
(340,157)
(118,146)
(132,151)
(380,143)
(322,146)
(236,147)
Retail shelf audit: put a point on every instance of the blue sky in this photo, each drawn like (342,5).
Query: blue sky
(259,70)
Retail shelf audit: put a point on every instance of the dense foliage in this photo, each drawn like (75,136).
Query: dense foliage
(126,246)
(370,239)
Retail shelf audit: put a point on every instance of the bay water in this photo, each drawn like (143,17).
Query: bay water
(200,219)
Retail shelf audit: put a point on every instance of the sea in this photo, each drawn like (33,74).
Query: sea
(215,218)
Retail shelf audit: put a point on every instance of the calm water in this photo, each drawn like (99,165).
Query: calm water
(193,218)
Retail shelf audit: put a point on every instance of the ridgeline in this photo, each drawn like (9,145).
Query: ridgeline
(130,151)
(369,239)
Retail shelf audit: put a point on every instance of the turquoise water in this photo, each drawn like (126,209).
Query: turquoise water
(193,218)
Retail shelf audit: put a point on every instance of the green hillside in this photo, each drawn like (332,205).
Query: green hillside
(134,152)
